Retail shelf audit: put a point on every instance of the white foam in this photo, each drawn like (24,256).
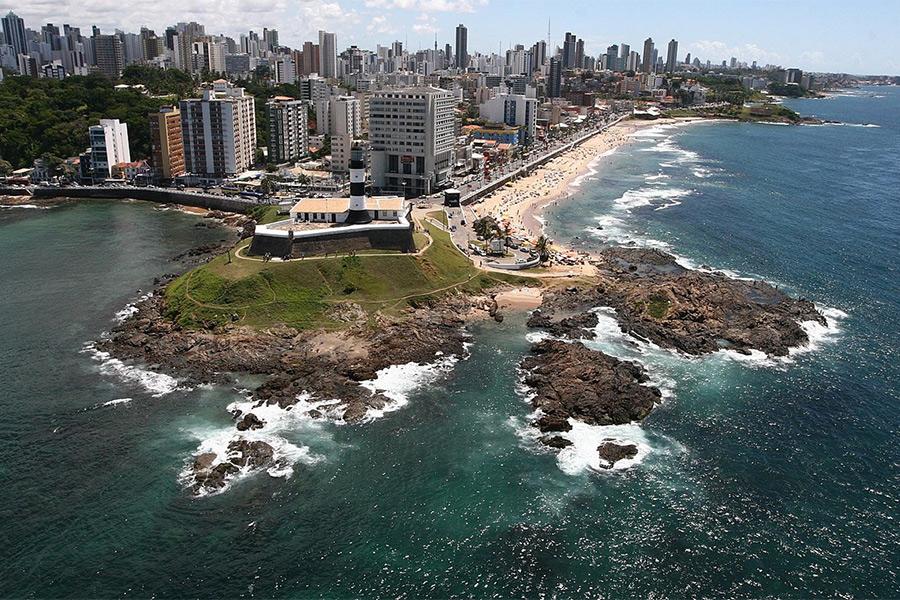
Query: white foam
(26,206)
(396,382)
(284,456)
(158,384)
(130,309)
(668,146)
(648,196)
(117,401)
(668,205)
(583,455)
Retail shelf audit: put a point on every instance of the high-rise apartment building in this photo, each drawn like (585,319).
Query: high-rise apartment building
(288,136)
(14,33)
(412,133)
(109,146)
(462,46)
(166,143)
(568,52)
(672,56)
(327,55)
(109,55)
(514,110)
(648,63)
(219,131)
(554,79)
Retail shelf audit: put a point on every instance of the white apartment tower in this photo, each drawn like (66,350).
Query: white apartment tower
(109,146)
(288,136)
(219,131)
(412,132)
(514,110)
(327,55)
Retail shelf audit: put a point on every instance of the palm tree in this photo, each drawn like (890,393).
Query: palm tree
(507,232)
(542,247)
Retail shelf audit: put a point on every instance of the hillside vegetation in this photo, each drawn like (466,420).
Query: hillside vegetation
(306,294)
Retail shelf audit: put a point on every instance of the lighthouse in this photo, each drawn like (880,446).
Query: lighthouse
(358,213)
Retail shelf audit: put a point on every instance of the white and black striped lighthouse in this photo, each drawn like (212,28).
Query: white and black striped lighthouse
(358,213)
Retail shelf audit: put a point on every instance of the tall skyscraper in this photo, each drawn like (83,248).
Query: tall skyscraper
(579,54)
(14,33)
(166,143)
(288,136)
(554,80)
(672,56)
(219,131)
(327,55)
(647,64)
(412,132)
(568,54)
(310,62)
(462,50)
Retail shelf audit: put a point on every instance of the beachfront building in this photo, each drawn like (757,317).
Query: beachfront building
(166,143)
(219,132)
(514,110)
(109,146)
(412,135)
(288,135)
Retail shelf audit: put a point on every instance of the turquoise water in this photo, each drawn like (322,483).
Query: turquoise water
(755,479)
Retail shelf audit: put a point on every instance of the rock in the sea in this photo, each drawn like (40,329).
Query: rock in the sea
(254,454)
(573,381)
(612,453)
(250,421)
(555,441)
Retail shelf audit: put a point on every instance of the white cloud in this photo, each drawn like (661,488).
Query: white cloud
(462,6)
(717,51)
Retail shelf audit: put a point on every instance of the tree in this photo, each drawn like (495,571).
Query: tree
(5,167)
(485,227)
(542,247)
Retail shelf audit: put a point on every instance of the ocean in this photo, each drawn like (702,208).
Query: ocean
(755,477)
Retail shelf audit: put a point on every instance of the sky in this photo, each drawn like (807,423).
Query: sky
(859,37)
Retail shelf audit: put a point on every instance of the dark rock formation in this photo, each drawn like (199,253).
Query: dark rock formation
(572,381)
(612,452)
(696,312)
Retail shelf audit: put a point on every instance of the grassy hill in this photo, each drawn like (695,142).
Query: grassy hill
(304,294)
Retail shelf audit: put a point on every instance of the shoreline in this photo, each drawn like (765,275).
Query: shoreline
(555,180)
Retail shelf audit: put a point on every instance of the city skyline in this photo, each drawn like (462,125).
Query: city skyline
(798,37)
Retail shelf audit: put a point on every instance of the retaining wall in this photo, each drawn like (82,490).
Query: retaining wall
(162,196)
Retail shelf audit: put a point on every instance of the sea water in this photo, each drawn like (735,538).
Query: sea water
(755,477)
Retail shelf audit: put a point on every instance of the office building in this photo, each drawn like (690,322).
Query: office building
(219,131)
(648,63)
(462,47)
(412,133)
(166,143)
(288,136)
(109,147)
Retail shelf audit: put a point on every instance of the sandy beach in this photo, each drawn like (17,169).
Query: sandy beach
(521,202)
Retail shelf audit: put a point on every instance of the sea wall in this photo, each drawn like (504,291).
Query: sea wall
(162,196)
(335,243)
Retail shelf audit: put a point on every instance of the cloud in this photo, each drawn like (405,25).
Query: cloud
(461,6)
(379,24)
(717,51)
(425,24)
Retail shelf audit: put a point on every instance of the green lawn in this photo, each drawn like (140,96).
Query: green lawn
(300,293)
(438,215)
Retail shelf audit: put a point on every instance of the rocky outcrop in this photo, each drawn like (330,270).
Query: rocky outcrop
(695,312)
(210,473)
(611,453)
(571,381)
